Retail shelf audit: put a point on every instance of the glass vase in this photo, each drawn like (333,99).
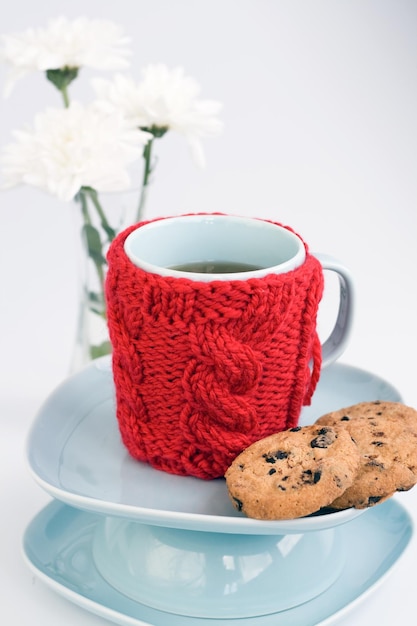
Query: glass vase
(99,218)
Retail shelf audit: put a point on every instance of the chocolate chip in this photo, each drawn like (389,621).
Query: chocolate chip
(310,478)
(306,475)
(238,504)
(316,476)
(272,471)
(373,500)
(345,418)
(375,464)
(280,454)
(323,439)
(275,456)
(295,429)
(377,443)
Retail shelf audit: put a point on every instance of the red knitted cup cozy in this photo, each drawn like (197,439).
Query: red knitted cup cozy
(202,370)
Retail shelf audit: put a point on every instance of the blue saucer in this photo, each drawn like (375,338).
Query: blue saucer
(58,547)
(75,453)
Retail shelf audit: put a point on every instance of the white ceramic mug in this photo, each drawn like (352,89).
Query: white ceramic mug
(211,361)
(162,246)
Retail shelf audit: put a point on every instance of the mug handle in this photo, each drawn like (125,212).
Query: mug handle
(336,343)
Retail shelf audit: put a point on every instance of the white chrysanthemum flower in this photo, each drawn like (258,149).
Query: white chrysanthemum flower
(99,44)
(73,148)
(164,99)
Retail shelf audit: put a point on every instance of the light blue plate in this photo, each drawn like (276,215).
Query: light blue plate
(58,547)
(75,453)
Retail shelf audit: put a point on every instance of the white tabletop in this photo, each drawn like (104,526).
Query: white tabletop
(320,133)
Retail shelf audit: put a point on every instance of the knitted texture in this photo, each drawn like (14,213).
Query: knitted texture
(202,370)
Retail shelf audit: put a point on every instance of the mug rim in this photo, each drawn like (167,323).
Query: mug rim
(295,260)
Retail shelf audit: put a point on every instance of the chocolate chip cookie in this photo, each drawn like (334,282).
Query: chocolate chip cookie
(293,473)
(386,435)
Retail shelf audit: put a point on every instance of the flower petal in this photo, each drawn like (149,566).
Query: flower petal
(165,98)
(99,44)
(74,147)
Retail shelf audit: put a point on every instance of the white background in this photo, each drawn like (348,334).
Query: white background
(320,101)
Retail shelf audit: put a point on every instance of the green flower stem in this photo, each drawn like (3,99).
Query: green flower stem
(94,246)
(147,171)
(96,260)
(84,208)
(61,78)
(157,132)
(65,97)
(92,193)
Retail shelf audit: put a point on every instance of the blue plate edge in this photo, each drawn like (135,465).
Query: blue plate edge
(105,612)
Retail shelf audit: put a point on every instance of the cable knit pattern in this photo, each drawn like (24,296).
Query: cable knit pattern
(202,370)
